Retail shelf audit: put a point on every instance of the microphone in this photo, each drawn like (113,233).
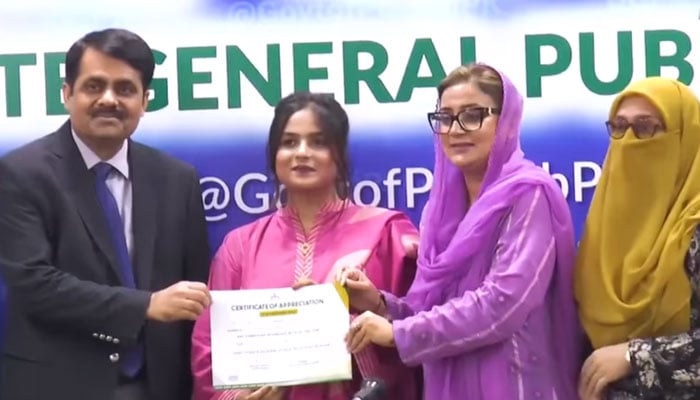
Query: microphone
(371,389)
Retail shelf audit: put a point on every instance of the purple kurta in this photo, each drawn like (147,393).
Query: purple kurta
(491,314)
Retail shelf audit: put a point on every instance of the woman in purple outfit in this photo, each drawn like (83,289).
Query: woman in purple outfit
(491,313)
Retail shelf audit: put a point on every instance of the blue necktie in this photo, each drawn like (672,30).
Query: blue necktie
(132,359)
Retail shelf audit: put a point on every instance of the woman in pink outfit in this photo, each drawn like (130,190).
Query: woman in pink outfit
(317,232)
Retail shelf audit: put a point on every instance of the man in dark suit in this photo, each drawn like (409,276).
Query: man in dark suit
(103,244)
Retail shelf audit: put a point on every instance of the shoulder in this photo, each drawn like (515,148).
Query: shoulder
(526,185)
(541,198)
(536,185)
(392,226)
(161,161)
(376,214)
(30,155)
(388,220)
(530,210)
(530,196)
(240,236)
(30,165)
(528,199)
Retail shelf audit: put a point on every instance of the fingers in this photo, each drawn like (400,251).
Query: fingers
(195,285)
(592,382)
(265,393)
(192,298)
(596,385)
(275,393)
(182,310)
(362,344)
(352,332)
(355,337)
(257,394)
(356,285)
(360,340)
(599,388)
(581,390)
(201,287)
(302,283)
(190,309)
(181,301)
(196,291)
(349,274)
(359,335)
(585,378)
(341,276)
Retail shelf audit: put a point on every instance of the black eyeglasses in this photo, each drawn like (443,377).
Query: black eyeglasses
(642,128)
(469,120)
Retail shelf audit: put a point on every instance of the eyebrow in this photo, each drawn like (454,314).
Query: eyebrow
(295,134)
(462,107)
(103,80)
(637,116)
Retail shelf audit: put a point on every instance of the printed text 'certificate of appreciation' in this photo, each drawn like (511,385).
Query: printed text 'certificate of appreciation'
(279,337)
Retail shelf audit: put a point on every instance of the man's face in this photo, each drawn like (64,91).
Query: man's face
(107,100)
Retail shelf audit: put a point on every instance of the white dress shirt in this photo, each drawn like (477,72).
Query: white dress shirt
(117,181)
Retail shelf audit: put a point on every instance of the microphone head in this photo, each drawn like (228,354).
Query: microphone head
(371,389)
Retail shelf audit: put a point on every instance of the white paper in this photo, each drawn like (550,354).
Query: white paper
(279,337)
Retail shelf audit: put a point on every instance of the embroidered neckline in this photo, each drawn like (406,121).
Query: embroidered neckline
(329,207)
(306,242)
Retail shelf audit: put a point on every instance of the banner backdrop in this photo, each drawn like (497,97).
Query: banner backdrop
(223,64)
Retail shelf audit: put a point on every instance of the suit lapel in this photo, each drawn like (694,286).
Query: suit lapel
(79,182)
(145,209)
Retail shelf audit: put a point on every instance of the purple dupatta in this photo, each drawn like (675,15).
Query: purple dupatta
(451,237)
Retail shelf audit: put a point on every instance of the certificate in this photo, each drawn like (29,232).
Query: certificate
(279,337)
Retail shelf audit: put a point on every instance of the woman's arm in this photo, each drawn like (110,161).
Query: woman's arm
(517,283)
(666,364)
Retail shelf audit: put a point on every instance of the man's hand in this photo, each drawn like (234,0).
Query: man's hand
(181,301)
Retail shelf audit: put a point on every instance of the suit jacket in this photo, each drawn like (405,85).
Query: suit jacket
(68,315)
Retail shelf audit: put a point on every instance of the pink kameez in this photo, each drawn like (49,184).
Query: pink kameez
(275,252)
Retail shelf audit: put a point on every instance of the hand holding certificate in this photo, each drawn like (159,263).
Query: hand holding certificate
(279,337)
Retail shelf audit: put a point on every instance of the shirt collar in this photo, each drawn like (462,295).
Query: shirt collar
(119,161)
